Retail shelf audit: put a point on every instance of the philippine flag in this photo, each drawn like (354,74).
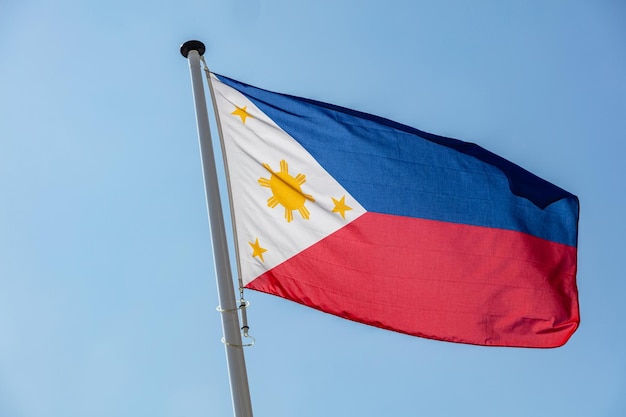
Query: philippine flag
(383,224)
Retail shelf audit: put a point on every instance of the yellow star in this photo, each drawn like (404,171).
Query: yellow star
(257,250)
(241,112)
(341,207)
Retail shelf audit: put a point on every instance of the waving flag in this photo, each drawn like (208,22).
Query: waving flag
(386,225)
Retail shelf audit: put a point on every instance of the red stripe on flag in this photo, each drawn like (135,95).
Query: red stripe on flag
(438,280)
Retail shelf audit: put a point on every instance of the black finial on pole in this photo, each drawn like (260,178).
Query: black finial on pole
(189,46)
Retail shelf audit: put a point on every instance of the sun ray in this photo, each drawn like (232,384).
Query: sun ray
(265,182)
(304,212)
(269,168)
(272,201)
(288,215)
(300,179)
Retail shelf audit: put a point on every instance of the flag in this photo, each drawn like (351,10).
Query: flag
(380,223)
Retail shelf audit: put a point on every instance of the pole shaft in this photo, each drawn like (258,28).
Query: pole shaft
(237,374)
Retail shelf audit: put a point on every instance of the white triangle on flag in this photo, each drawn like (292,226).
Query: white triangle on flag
(258,154)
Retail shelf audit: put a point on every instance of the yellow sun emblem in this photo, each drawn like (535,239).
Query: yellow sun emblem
(286,191)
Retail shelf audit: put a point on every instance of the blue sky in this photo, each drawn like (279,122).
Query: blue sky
(107,292)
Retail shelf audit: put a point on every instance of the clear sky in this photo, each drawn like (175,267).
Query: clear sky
(107,290)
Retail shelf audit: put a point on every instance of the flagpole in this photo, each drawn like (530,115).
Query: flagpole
(237,375)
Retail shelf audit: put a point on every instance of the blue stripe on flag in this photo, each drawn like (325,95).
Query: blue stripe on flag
(395,169)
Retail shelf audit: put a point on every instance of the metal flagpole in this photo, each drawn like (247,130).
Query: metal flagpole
(242,407)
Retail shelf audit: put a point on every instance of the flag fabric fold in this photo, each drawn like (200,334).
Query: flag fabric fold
(380,223)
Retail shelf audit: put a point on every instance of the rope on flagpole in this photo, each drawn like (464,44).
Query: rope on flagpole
(243,304)
(207,74)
